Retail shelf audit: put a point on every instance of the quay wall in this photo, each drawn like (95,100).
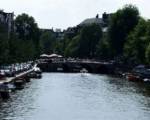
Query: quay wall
(73,67)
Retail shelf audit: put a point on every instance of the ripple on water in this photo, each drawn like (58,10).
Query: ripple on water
(59,96)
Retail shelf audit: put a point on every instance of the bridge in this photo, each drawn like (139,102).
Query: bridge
(76,66)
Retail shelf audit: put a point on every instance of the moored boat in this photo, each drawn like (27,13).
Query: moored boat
(19,83)
(133,77)
(4,91)
(34,75)
(83,70)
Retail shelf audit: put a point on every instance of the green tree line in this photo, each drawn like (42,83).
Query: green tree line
(22,44)
(127,38)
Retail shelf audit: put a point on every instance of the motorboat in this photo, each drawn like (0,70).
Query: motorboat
(83,70)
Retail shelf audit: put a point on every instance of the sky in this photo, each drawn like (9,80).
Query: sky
(68,13)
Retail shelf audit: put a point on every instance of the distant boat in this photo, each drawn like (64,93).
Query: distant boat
(83,70)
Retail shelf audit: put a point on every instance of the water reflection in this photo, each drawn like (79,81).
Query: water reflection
(60,96)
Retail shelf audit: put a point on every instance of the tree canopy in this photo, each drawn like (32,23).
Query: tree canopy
(127,35)
(84,44)
(47,41)
(121,24)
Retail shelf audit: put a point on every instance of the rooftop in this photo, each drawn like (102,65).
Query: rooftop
(92,21)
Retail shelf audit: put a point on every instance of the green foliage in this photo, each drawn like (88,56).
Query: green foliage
(84,44)
(21,45)
(61,45)
(89,38)
(47,41)
(148,40)
(27,39)
(58,47)
(102,49)
(147,54)
(137,42)
(127,35)
(121,24)
(26,27)
(72,49)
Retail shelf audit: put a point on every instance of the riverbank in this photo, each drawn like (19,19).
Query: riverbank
(136,73)
(10,84)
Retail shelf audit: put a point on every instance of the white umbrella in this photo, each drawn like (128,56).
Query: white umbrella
(44,55)
(55,55)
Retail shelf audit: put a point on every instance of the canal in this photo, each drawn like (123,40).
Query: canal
(59,96)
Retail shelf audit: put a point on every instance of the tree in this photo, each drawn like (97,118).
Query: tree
(47,41)
(121,24)
(72,50)
(137,42)
(26,27)
(61,45)
(27,32)
(102,48)
(84,44)
(89,38)
(147,54)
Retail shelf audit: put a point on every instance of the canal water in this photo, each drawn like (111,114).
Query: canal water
(59,96)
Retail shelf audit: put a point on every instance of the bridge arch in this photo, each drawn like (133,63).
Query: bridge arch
(103,69)
(65,68)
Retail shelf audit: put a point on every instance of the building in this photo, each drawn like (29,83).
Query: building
(46,30)
(59,34)
(7,19)
(71,31)
(103,21)
(95,20)
(106,18)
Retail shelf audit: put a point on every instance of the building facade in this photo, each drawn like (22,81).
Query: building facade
(7,19)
